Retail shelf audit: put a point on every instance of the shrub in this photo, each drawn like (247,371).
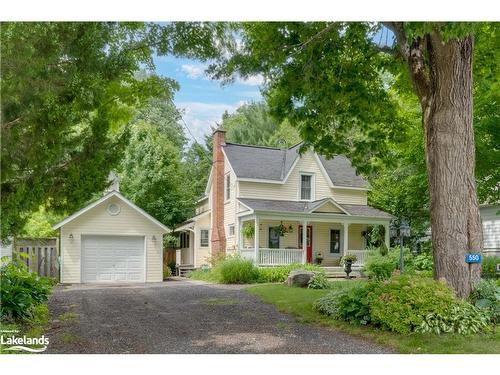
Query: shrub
(236,270)
(488,267)
(280,274)
(173,266)
(318,281)
(381,267)
(462,318)
(352,305)
(423,262)
(401,303)
(167,272)
(21,291)
(486,296)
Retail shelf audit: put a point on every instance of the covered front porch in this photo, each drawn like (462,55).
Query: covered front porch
(281,240)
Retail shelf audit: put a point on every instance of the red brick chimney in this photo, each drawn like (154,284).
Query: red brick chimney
(218,237)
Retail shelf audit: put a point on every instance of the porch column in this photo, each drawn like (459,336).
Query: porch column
(256,240)
(240,234)
(387,235)
(346,238)
(304,241)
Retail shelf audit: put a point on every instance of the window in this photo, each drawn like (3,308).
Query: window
(231,230)
(274,238)
(204,237)
(335,241)
(184,240)
(305,187)
(228,186)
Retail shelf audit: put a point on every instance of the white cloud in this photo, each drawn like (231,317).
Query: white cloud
(255,80)
(201,117)
(193,71)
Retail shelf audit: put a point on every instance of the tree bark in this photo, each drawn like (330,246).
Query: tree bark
(442,75)
(449,140)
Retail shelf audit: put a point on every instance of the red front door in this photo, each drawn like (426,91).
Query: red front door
(309,248)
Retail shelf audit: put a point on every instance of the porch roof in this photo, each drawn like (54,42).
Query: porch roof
(270,205)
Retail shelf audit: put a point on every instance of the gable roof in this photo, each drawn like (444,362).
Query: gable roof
(270,205)
(112,193)
(274,165)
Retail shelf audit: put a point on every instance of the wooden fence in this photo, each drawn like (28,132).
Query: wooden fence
(42,255)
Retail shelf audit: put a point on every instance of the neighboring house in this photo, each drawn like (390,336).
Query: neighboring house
(111,240)
(6,249)
(279,192)
(490,216)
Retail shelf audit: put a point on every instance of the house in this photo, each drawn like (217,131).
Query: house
(490,217)
(111,240)
(303,206)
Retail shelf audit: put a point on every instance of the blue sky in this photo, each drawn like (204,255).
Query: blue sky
(202,100)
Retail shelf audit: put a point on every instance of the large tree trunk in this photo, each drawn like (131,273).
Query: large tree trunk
(441,72)
(450,154)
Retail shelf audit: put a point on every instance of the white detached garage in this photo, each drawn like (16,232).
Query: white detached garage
(111,240)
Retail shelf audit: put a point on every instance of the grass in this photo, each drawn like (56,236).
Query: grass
(298,302)
(68,317)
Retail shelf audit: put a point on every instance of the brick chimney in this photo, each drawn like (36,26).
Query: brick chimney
(218,237)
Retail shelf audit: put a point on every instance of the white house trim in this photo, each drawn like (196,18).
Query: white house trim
(113,193)
(331,200)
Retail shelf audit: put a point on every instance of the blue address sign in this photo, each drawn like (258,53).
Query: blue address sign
(473,258)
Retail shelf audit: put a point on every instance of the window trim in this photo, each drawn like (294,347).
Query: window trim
(227,187)
(330,241)
(269,237)
(229,226)
(208,237)
(313,186)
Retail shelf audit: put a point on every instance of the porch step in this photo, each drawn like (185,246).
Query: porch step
(184,270)
(338,272)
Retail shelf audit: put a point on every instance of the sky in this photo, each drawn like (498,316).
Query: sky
(203,101)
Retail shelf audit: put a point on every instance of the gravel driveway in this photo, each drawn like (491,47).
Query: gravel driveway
(183,317)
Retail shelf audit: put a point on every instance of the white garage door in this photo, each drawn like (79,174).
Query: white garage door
(112,259)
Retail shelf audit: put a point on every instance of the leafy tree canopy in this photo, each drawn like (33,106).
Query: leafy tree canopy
(67,90)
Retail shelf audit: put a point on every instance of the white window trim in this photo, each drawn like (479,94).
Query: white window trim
(208,243)
(313,187)
(226,199)
(341,238)
(229,230)
(280,238)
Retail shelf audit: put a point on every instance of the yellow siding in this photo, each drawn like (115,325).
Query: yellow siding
(230,209)
(201,253)
(98,221)
(356,240)
(290,190)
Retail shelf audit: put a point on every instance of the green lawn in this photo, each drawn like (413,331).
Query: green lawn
(298,302)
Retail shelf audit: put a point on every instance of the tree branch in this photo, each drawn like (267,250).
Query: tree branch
(413,53)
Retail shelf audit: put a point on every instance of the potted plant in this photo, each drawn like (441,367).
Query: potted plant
(347,261)
(319,258)
(248,231)
(282,229)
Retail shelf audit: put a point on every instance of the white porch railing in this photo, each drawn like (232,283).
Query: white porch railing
(279,257)
(273,257)
(361,256)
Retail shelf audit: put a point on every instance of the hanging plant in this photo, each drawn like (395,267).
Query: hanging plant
(282,229)
(248,231)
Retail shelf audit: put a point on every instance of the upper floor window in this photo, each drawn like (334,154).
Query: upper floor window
(228,186)
(306,187)
(204,237)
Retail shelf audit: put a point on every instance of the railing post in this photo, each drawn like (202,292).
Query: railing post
(256,240)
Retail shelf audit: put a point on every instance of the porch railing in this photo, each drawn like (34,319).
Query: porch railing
(273,257)
(361,256)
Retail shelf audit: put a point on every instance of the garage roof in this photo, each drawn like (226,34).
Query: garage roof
(112,193)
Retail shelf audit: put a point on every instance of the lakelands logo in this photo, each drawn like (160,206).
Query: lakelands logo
(10,341)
